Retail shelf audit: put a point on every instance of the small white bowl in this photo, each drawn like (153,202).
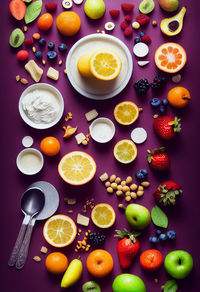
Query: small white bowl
(102,130)
(56,93)
(30,161)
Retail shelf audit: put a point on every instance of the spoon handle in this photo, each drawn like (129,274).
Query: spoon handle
(24,248)
(15,251)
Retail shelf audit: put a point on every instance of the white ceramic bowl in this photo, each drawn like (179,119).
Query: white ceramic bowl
(55,92)
(102,130)
(31,164)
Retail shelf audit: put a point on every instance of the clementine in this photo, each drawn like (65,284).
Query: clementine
(50,146)
(45,21)
(99,263)
(68,23)
(56,263)
(179,97)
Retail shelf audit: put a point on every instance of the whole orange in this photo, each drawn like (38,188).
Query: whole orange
(99,263)
(179,97)
(50,146)
(56,263)
(68,23)
(45,21)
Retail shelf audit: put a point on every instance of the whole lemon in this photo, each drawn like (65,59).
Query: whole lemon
(68,23)
(83,65)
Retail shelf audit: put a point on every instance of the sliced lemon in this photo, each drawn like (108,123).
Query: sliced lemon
(105,64)
(126,112)
(77,168)
(125,151)
(103,215)
(59,230)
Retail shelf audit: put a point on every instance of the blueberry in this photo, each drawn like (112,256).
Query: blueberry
(137,40)
(38,55)
(62,47)
(144,172)
(42,42)
(162,109)
(51,55)
(158,232)
(51,46)
(163,237)
(142,34)
(139,175)
(155,102)
(171,234)
(153,239)
(165,101)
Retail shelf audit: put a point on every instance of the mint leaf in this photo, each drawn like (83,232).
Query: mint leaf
(171,286)
(158,217)
(33,11)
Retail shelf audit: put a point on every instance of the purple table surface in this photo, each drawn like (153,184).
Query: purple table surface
(183,151)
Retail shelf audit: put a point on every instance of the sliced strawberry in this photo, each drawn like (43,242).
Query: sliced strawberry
(114,12)
(127,7)
(17,9)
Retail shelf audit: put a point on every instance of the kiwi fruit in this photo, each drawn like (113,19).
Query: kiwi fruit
(91,286)
(146,6)
(16,38)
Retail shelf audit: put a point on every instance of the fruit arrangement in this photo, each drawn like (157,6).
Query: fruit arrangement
(77,169)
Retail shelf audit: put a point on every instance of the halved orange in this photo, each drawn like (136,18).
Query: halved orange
(77,168)
(126,112)
(105,64)
(170,57)
(103,215)
(59,230)
(125,151)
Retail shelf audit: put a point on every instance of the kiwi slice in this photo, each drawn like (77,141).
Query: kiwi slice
(146,6)
(91,286)
(16,38)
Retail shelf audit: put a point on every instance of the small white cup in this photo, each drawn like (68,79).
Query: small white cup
(30,161)
(102,130)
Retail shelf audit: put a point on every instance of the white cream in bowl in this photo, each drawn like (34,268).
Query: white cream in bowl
(102,130)
(30,161)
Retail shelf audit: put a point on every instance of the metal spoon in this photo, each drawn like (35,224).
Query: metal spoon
(32,203)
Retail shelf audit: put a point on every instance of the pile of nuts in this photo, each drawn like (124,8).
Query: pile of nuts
(82,244)
(124,187)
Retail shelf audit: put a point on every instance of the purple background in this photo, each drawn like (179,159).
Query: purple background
(183,151)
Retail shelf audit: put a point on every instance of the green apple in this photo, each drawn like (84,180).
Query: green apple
(178,264)
(94,9)
(128,283)
(138,216)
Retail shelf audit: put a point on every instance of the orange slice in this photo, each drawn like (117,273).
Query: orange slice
(126,112)
(105,64)
(59,230)
(170,57)
(125,151)
(77,168)
(103,215)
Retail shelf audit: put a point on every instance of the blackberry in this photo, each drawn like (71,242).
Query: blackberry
(95,239)
(142,86)
(158,82)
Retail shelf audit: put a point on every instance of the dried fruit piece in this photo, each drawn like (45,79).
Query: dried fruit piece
(69,131)
(43,249)
(91,115)
(24,81)
(36,36)
(17,78)
(82,220)
(34,70)
(37,259)
(143,63)
(53,73)
(104,177)
(80,138)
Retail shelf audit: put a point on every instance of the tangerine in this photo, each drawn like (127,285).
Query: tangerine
(56,263)
(45,21)
(179,97)
(50,146)
(99,263)
(68,23)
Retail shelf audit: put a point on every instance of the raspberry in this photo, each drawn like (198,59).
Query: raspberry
(142,19)
(127,7)
(128,17)
(114,12)
(146,39)
(29,42)
(123,25)
(128,32)
(51,6)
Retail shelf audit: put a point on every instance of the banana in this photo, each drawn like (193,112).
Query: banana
(72,274)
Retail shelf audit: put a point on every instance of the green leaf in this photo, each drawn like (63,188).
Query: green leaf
(171,286)
(33,11)
(158,217)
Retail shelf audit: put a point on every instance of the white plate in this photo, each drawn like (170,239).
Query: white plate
(56,93)
(98,89)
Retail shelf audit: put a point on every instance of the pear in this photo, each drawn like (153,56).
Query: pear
(173,25)
(94,9)
(72,274)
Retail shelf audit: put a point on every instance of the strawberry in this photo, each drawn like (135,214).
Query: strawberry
(158,159)
(127,248)
(51,6)
(127,7)
(166,127)
(114,12)
(167,193)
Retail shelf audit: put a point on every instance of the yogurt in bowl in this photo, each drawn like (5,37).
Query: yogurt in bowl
(30,161)
(102,130)
(41,106)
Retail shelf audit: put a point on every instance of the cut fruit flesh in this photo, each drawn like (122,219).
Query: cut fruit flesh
(125,151)
(126,113)
(103,215)
(173,25)
(170,57)
(146,6)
